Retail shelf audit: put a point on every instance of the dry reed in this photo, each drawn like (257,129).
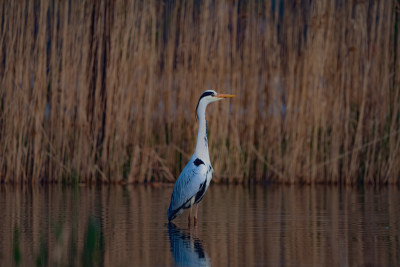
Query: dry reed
(106,90)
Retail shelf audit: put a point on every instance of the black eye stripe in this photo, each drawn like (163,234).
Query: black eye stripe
(206,94)
(203,95)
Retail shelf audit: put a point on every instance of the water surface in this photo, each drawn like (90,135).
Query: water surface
(238,226)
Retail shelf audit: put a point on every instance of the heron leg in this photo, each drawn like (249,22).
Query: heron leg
(190,214)
(195,214)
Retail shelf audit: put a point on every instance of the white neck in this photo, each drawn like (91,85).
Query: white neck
(202,141)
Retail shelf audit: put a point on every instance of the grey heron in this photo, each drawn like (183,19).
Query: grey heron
(192,183)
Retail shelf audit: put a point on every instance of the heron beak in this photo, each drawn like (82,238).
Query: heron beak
(224,96)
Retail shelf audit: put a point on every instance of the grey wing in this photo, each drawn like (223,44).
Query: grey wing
(186,187)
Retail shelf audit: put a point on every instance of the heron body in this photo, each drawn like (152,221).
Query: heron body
(195,178)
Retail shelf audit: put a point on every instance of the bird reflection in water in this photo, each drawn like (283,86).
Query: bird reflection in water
(186,248)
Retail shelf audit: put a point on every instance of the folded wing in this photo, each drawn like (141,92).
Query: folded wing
(190,182)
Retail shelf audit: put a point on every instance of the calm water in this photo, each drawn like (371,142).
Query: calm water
(238,226)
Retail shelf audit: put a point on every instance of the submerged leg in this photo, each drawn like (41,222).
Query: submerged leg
(195,214)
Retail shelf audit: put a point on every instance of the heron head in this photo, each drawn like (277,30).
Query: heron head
(210,96)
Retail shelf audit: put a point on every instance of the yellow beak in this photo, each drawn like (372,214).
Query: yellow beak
(224,96)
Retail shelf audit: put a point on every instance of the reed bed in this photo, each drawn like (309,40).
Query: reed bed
(105,91)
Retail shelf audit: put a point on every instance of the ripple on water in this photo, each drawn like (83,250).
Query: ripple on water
(238,225)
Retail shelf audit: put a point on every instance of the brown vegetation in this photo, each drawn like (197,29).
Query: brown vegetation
(106,90)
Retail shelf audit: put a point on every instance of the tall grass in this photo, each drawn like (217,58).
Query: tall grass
(106,90)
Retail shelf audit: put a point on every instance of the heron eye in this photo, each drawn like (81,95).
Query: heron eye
(213,94)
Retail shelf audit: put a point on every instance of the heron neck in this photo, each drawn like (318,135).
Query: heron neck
(202,141)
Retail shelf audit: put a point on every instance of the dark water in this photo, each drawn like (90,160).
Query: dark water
(238,226)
